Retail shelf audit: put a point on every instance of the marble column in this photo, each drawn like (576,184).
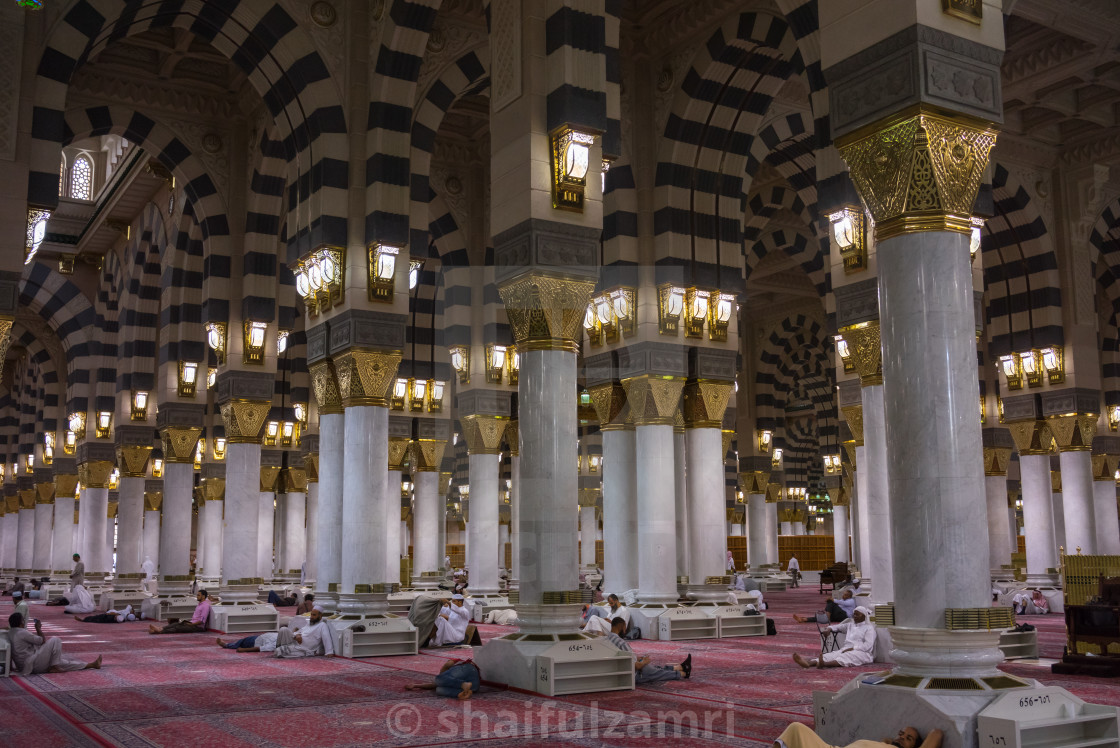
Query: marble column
(620,507)
(130,524)
(398,451)
(111,536)
(9,533)
(295,513)
(95,517)
(328,519)
(771,532)
(1105,514)
(311,531)
(210,527)
(484,437)
(62,548)
(840,533)
(44,531)
(266,528)
(875,501)
(1038,518)
(425,524)
(587,527)
(656,400)
(180,428)
(1077,495)
(1057,509)
(786,528)
(25,541)
(153,503)
(364,497)
(756,531)
(680,494)
(241,557)
(514,505)
(703,404)
(995,489)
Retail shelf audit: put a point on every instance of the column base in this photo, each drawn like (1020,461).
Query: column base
(658,598)
(327,600)
(174,586)
(940,653)
(358,605)
(426,580)
(127,590)
(240,591)
(552,664)
(1003,575)
(209,582)
(707,593)
(1044,580)
(60,577)
(40,573)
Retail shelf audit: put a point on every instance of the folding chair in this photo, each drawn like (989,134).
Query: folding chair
(829,641)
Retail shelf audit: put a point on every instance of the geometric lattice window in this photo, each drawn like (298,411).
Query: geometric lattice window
(62,177)
(81,178)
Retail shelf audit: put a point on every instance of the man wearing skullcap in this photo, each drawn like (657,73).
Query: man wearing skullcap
(859,643)
(451,625)
(311,641)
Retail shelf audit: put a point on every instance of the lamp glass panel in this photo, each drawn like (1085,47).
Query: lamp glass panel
(589,318)
(315,276)
(723,308)
(674,302)
(419,387)
(214,337)
(575,160)
(400,388)
(386,265)
(303,285)
(621,305)
(256,334)
(140,399)
(844,230)
(103,419)
(498,359)
(328,268)
(190,372)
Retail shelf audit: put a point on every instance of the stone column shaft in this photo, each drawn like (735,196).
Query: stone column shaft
(266,529)
(657,538)
(95,516)
(311,534)
(514,516)
(62,549)
(425,524)
(130,525)
(620,510)
(588,524)
(364,489)
(1038,519)
(1077,500)
(681,495)
(25,548)
(840,533)
(212,532)
(151,537)
(999,540)
(41,555)
(757,522)
(240,551)
(294,552)
(328,521)
(1105,514)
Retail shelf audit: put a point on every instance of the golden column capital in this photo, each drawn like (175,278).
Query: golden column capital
(398,451)
(754,482)
(1074,432)
(1031,437)
(444,483)
(653,399)
(609,401)
(850,448)
(5,336)
(1055,481)
(179,443)
(95,473)
(588,496)
(484,433)
(214,489)
(112,509)
(1105,466)
(365,377)
(325,384)
(546,311)
(153,501)
(773,493)
(867,352)
(65,485)
(995,460)
(268,477)
(919,170)
(703,403)
(12,503)
(44,493)
(853,415)
(726,437)
(427,454)
(133,460)
(311,465)
(244,420)
(295,480)
(513,436)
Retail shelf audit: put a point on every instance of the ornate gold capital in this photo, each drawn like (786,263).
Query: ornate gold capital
(1031,437)
(398,451)
(427,454)
(610,403)
(95,473)
(311,465)
(153,500)
(704,402)
(513,436)
(867,352)
(12,503)
(112,509)
(45,493)
(996,459)
(268,478)
(1104,466)
(1055,481)
(546,312)
(27,498)
(850,449)
(919,170)
(755,482)
(5,337)
(244,420)
(726,436)
(214,489)
(853,415)
(327,394)
(133,460)
(1074,432)
(484,433)
(65,485)
(653,399)
(444,483)
(179,443)
(588,496)
(773,493)
(365,377)
(295,480)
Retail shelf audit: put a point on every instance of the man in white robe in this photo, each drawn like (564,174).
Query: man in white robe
(451,625)
(81,601)
(859,643)
(311,641)
(33,654)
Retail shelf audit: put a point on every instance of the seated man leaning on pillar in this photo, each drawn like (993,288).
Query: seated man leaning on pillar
(798,735)
(265,642)
(314,640)
(195,625)
(451,623)
(859,643)
(646,671)
(33,654)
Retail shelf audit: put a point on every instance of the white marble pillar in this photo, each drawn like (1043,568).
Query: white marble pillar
(1105,516)
(854,523)
(393,526)
(328,518)
(681,494)
(786,528)
(62,549)
(999,540)
(95,516)
(1038,518)
(587,523)
(200,539)
(1012,529)
(1058,516)
(211,531)
(1077,500)
(364,495)
(242,526)
(772,532)
(707,506)
(25,541)
(151,536)
(425,519)
(657,537)
(514,514)
(441,519)
(110,542)
(9,532)
(266,519)
(756,530)
(875,501)
(934,461)
(840,533)
(482,530)
(175,535)
(279,515)
(295,511)
(44,527)
(620,510)
(311,534)
(130,525)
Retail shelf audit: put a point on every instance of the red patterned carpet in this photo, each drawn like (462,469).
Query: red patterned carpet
(184,691)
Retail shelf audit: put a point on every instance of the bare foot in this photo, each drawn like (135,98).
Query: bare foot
(801,660)
(54,669)
(78,619)
(95,665)
(465,694)
(152,629)
(220,642)
(410,687)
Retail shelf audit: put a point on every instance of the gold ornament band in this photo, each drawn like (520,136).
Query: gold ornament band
(546,312)
(484,433)
(365,377)
(867,353)
(244,420)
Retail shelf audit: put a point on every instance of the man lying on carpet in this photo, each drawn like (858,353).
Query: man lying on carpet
(647,672)
(195,625)
(456,679)
(837,610)
(313,640)
(798,735)
(32,654)
(111,616)
(859,643)
(265,642)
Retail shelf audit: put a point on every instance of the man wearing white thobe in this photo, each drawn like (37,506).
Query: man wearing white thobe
(311,641)
(33,654)
(451,625)
(859,643)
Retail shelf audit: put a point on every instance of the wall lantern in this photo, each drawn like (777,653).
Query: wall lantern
(849,230)
(571,155)
(400,392)
(1009,365)
(1052,362)
(495,362)
(776,458)
(139,405)
(216,339)
(1031,367)
(670,304)
(157,467)
(435,395)
(974,237)
(461,362)
(271,432)
(720,316)
(104,424)
(765,439)
(845,353)
(219,447)
(417,392)
(70,443)
(696,312)
(254,342)
(188,378)
(382,268)
(319,279)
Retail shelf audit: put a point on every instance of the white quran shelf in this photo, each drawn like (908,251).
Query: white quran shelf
(383,637)
(244,618)
(1047,718)
(731,622)
(563,672)
(5,657)
(163,609)
(678,624)
(1018,645)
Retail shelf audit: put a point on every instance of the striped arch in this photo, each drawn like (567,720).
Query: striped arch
(797,245)
(1020,272)
(279,60)
(181,302)
(796,355)
(801,461)
(702,171)
(263,220)
(1104,240)
(70,315)
(107,308)
(804,22)
(767,202)
(52,387)
(451,246)
(139,303)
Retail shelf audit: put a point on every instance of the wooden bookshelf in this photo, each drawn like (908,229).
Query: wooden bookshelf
(814,552)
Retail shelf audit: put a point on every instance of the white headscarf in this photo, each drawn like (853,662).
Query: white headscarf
(865,611)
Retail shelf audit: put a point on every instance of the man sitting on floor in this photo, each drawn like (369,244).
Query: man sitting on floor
(265,642)
(838,610)
(599,616)
(859,644)
(313,640)
(647,672)
(111,616)
(451,624)
(306,606)
(456,679)
(195,625)
(32,654)
(798,735)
